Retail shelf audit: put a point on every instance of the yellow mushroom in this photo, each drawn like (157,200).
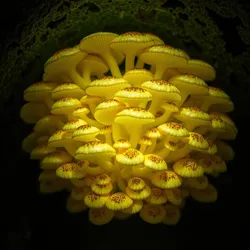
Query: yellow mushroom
(134,97)
(174,196)
(154,162)
(153,214)
(40,92)
(130,43)
(118,201)
(206,195)
(32,112)
(166,179)
(106,111)
(172,215)
(136,77)
(162,91)
(91,102)
(85,133)
(156,197)
(193,117)
(97,152)
(189,85)
(100,216)
(163,57)
(106,87)
(194,142)
(70,171)
(224,150)
(199,68)
(93,200)
(74,206)
(134,208)
(92,65)
(82,112)
(144,142)
(98,43)
(40,151)
(133,120)
(64,62)
(138,194)
(48,124)
(63,138)
(188,167)
(55,159)
(65,106)
(121,146)
(66,90)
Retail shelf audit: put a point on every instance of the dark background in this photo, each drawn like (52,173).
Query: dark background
(34,221)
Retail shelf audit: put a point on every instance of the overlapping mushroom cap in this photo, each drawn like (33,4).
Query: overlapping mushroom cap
(123,139)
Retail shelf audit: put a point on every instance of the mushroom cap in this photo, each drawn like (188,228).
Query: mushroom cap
(156,197)
(153,214)
(133,93)
(47,175)
(93,200)
(224,150)
(100,216)
(170,107)
(80,112)
(162,89)
(63,61)
(38,91)
(65,106)
(32,112)
(196,141)
(188,167)
(199,68)
(138,76)
(206,195)
(136,183)
(95,150)
(138,194)
(48,124)
(134,208)
(85,132)
(102,189)
(109,84)
(200,182)
(173,129)
(172,216)
(74,124)
(134,115)
(94,63)
(60,138)
(190,84)
(157,40)
(74,206)
(106,111)
(70,171)
(40,151)
(102,179)
(219,164)
(153,133)
(155,162)
(131,41)
(122,143)
(164,54)
(166,179)
(55,159)
(174,196)
(144,140)
(193,115)
(97,42)
(118,201)
(131,157)
(65,90)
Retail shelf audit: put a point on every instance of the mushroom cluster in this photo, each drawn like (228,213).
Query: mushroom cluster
(127,124)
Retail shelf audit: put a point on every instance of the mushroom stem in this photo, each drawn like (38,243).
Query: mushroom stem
(117,132)
(155,105)
(72,147)
(141,171)
(108,139)
(163,153)
(48,102)
(150,149)
(76,78)
(121,183)
(143,148)
(86,78)
(184,97)
(106,165)
(139,64)
(129,62)
(189,126)
(115,71)
(178,154)
(134,131)
(126,173)
(91,122)
(159,71)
